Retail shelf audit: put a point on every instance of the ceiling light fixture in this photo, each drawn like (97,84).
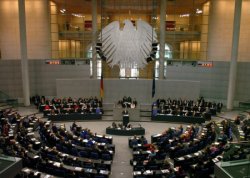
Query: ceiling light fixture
(78,15)
(198,11)
(184,15)
(63,11)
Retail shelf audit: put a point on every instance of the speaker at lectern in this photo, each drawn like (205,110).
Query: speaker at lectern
(125,117)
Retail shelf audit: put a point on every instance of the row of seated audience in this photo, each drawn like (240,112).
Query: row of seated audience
(236,151)
(127,102)
(194,151)
(70,105)
(246,128)
(180,107)
(57,151)
(120,126)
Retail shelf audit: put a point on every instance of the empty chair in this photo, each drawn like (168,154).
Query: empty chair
(74,151)
(59,172)
(106,157)
(84,154)
(65,149)
(88,165)
(94,155)
(139,168)
(141,176)
(59,147)
(153,167)
(100,176)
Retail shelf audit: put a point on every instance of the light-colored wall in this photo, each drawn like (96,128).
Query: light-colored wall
(115,89)
(213,81)
(37,27)
(221,30)
(9,30)
(42,76)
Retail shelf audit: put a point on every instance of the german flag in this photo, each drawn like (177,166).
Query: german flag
(101,88)
(153,84)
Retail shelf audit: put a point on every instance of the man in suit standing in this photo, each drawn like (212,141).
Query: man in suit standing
(125,118)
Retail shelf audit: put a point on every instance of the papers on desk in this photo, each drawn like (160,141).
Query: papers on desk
(64,155)
(57,164)
(89,170)
(78,169)
(136,152)
(215,160)
(104,172)
(157,135)
(148,172)
(31,133)
(216,143)
(135,173)
(30,129)
(196,154)
(35,157)
(26,170)
(181,159)
(164,171)
(35,173)
(188,156)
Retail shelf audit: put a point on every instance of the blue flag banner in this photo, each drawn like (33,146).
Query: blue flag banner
(153,86)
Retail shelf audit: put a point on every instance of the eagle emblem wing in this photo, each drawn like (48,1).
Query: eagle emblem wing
(128,47)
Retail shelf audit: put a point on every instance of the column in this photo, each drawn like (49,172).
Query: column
(94,33)
(234,54)
(162,38)
(24,57)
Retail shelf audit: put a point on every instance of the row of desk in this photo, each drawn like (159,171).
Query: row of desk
(125,132)
(183,119)
(74,116)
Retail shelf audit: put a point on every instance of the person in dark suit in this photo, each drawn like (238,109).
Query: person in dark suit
(125,117)
(125,111)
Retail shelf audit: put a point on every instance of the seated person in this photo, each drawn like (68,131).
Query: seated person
(74,126)
(155,111)
(46,107)
(98,110)
(237,120)
(125,112)
(223,137)
(114,125)
(134,103)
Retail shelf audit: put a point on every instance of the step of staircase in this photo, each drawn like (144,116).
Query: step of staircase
(145,113)
(4,106)
(108,112)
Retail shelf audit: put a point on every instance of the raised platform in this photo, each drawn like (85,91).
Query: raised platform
(125,132)
(134,114)
(10,166)
(244,104)
(74,116)
(183,119)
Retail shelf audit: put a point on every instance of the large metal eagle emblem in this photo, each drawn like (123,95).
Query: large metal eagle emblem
(128,46)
